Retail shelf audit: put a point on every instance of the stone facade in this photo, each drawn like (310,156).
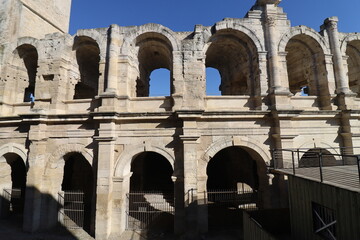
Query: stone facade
(92,100)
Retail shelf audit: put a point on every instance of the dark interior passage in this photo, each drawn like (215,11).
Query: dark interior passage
(78,178)
(231,187)
(18,179)
(151,197)
(231,166)
(151,172)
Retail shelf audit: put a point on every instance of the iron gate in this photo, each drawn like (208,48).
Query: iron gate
(225,207)
(149,210)
(14,200)
(71,213)
(240,199)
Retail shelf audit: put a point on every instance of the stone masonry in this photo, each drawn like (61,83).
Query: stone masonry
(282,87)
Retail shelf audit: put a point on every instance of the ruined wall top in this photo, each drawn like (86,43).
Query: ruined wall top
(33,18)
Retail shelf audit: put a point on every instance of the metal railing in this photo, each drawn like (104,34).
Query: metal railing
(296,159)
(147,208)
(240,199)
(71,213)
(13,198)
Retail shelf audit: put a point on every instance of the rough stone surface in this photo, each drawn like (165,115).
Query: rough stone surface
(92,103)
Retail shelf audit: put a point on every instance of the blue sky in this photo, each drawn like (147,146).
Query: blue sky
(183,15)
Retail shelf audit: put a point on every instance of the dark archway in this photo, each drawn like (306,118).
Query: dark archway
(353,52)
(155,52)
(29,55)
(235,56)
(306,69)
(78,188)
(14,196)
(232,185)
(88,58)
(151,197)
(312,156)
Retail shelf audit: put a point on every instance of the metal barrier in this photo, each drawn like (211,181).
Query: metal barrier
(296,159)
(71,213)
(13,198)
(239,199)
(148,209)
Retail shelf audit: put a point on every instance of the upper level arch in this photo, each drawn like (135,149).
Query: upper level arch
(97,35)
(24,65)
(351,45)
(153,51)
(87,52)
(306,67)
(347,39)
(131,36)
(235,55)
(303,30)
(232,24)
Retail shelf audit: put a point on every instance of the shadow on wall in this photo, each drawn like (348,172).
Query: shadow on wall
(18,225)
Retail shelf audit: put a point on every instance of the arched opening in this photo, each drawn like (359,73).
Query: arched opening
(13,185)
(235,56)
(77,192)
(306,69)
(312,158)
(353,52)
(154,52)
(29,55)
(213,82)
(88,58)
(151,197)
(232,186)
(158,82)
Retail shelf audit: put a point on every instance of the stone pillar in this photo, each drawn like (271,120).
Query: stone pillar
(190,140)
(114,46)
(105,170)
(35,204)
(331,25)
(190,185)
(271,36)
(279,87)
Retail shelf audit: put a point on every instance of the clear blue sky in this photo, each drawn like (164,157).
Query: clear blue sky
(183,15)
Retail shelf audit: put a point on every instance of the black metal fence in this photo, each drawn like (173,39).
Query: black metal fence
(146,210)
(71,213)
(319,158)
(13,200)
(239,199)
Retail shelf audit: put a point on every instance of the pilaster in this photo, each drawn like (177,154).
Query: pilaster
(105,168)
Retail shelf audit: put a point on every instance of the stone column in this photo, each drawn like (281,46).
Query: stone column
(331,25)
(271,36)
(279,86)
(105,169)
(112,73)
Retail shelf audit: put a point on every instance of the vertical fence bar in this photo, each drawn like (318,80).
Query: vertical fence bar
(320,167)
(358,165)
(293,161)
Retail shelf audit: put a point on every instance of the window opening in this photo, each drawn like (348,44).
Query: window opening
(159,83)
(324,221)
(213,82)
